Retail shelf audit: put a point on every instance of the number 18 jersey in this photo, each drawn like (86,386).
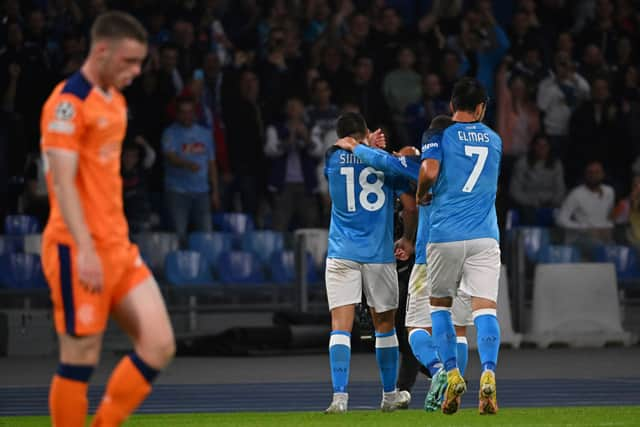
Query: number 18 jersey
(464,195)
(362,199)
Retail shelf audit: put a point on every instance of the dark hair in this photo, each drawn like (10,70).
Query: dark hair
(350,124)
(118,25)
(315,82)
(185,99)
(531,156)
(467,94)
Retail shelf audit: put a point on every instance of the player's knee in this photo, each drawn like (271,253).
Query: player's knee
(166,349)
(80,350)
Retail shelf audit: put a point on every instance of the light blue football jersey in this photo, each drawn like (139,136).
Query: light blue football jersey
(362,198)
(464,195)
(409,168)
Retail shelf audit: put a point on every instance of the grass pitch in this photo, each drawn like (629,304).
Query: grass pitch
(565,416)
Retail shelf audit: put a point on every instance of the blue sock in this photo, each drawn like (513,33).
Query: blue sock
(488,337)
(462,353)
(340,359)
(387,355)
(425,350)
(444,335)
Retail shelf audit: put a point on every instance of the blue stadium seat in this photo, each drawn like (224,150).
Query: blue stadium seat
(536,240)
(11,244)
(283,269)
(21,271)
(239,267)
(187,268)
(623,257)
(558,254)
(18,225)
(512,219)
(233,222)
(263,244)
(154,247)
(211,245)
(545,217)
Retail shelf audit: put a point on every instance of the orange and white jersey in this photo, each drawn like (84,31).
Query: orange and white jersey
(84,119)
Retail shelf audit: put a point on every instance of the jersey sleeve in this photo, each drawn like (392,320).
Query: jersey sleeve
(432,145)
(62,123)
(387,163)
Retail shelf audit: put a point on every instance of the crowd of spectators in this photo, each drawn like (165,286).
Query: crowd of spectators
(237,100)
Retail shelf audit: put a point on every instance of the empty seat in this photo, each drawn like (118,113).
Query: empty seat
(283,268)
(21,271)
(263,244)
(233,222)
(623,258)
(211,245)
(33,243)
(238,267)
(559,254)
(19,225)
(535,241)
(187,268)
(154,247)
(10,244)
(576,304)
(315,242)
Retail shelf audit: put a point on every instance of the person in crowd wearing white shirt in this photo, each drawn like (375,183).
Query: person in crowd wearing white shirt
(586,213)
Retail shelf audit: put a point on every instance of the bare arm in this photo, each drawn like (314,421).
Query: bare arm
(409,216)
(429,170)
(63,165)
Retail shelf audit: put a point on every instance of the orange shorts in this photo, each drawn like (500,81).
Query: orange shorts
(78,312)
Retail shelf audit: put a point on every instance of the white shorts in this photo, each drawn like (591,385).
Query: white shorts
(474,262)
(346,280)
(418,304)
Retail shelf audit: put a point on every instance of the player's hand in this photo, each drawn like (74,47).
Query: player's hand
(424,200)
(90,269)
(377,139)
(403,249)
(347,143)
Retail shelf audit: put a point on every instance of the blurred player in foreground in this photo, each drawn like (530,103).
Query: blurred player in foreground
(92,268)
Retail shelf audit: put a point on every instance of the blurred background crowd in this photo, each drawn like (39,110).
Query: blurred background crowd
(237,101)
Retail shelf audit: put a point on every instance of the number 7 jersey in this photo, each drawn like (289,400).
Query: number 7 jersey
(362,199)
(464,195)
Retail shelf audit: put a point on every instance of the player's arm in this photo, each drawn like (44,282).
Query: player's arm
(431,158)
(63,166)
(379,159)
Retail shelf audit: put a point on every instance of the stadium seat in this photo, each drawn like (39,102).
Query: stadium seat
(18,225)
(21,271)
(283,268)
(535,240)
(316,241)
(557,254)
(33,243)
(154,247)
(211,245)
(512,219)
(239,267)
(576,305)
(624,258)
(545,217)
(263,244)
(237,223)
(187,268)
(10,244)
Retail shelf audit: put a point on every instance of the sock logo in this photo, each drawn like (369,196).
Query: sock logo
(489,339)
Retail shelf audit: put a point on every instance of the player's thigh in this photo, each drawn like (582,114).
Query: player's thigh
(380,286)
(142,314)
(481,269)
(343,281)
(461,312)
(418,311)
(77,312)
(445,261)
